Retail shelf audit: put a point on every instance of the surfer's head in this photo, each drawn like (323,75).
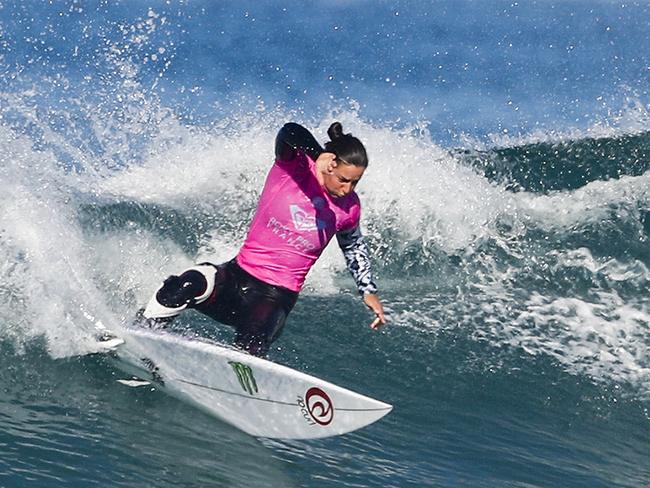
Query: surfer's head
(348,149)
(349,164)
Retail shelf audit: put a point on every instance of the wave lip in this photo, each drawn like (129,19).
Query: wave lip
(544,167)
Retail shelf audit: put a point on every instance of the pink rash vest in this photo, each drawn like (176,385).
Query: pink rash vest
(295,220)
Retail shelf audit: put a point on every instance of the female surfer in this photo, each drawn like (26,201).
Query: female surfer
(308,198)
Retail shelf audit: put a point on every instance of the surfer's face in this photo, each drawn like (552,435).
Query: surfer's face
(342,179)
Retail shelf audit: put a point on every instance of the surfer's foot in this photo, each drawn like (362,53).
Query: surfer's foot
(105,335)
(107,340)
(151,323)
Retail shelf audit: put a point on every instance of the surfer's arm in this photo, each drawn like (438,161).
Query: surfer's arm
(294,137)
(357,259)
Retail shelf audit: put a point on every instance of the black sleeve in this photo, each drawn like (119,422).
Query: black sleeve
(294,137)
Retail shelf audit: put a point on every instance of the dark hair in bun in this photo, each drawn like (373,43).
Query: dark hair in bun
(347,148)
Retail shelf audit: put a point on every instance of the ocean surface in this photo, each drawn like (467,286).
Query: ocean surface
(507,206)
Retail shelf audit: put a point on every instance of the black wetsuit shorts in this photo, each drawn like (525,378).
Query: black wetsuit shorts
(257,310)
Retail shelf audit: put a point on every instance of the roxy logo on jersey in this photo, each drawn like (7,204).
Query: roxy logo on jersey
(303,221)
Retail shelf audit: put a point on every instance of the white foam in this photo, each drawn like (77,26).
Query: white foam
(130,266)
(197,170)
(606,338)
(51,279)
(634,272)
(594,202)
(600,332)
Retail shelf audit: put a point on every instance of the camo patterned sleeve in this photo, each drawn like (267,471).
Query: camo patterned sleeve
(357,258)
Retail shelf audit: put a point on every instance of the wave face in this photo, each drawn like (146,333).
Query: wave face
(507,207)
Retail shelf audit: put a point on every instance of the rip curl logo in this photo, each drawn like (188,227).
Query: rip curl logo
(316,407)
(245,377)
(303,221)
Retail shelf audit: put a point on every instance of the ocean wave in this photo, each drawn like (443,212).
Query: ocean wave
(563,164)
(88,236)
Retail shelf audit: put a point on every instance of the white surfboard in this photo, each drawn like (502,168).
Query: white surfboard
(260,397)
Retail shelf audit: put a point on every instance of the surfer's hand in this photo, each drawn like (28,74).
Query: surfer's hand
(326,162)
(373,303)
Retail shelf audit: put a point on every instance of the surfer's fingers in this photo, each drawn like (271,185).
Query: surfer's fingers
(378,322)
(378,308)
(373,302)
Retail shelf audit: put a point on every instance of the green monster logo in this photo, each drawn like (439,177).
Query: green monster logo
(245,376)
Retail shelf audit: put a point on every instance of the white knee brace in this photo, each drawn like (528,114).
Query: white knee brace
(156,310)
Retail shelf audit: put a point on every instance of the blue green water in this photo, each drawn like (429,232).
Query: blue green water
(507,206)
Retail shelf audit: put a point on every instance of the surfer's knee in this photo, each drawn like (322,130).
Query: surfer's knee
(194,286)
(257,336)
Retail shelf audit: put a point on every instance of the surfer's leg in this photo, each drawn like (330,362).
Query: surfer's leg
(264,326)
(263,310)
(192,287)
(256,310)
